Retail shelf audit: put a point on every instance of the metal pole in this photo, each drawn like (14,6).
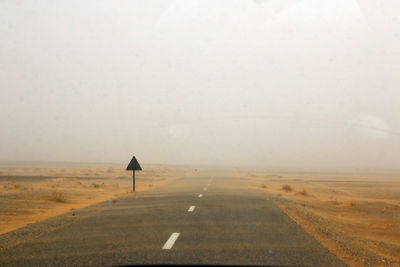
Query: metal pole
(133,181)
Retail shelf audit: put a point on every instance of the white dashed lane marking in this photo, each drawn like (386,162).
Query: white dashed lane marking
(201,195)
(171,241)
(191,209)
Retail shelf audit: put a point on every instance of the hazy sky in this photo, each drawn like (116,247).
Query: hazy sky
(275,82)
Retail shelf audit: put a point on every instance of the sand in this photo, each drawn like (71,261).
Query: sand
(36,192)
(357,217)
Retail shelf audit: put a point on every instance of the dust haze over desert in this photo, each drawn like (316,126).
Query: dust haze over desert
(302,84)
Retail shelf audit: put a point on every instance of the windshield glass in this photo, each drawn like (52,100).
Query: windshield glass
(259,132)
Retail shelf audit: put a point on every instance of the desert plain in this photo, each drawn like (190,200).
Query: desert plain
(32,192)
(355,216)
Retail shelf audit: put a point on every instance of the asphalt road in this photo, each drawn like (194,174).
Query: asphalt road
(229,224)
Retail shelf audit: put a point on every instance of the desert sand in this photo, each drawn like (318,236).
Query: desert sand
(32,192)
(357,217)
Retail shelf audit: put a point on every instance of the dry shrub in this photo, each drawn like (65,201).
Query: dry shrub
(7,187)
(263,186)
(58,196)
(335,202)
(279,195)
(17,186)
(353,203)
(303,193)
(98,184)
(287,188)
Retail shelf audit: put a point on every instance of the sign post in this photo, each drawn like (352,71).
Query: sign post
(133,166)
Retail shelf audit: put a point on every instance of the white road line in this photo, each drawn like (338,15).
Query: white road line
(171,241)
(205,188)
(201,195)
(191,209)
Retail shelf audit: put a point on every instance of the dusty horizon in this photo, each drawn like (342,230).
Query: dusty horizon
(255,83)
(272,169)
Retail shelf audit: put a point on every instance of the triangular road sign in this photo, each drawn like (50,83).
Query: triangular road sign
(134,165)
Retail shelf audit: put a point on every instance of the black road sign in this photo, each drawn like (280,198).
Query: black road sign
(133,166)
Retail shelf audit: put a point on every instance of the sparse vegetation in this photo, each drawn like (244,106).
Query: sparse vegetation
(335,202)
(17,186)
(263,186)
(63,192)
(303,193)
(287,188)
(98,184)
(14,187)
(353,203)
(58,196)
(7,187)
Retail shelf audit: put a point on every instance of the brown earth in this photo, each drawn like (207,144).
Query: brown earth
(357,217)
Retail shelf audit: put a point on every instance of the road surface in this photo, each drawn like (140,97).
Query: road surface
(195,220)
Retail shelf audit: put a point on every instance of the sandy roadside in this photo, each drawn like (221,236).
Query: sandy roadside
(35,193)
(356,217)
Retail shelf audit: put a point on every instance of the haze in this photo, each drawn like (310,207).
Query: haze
(302,83)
